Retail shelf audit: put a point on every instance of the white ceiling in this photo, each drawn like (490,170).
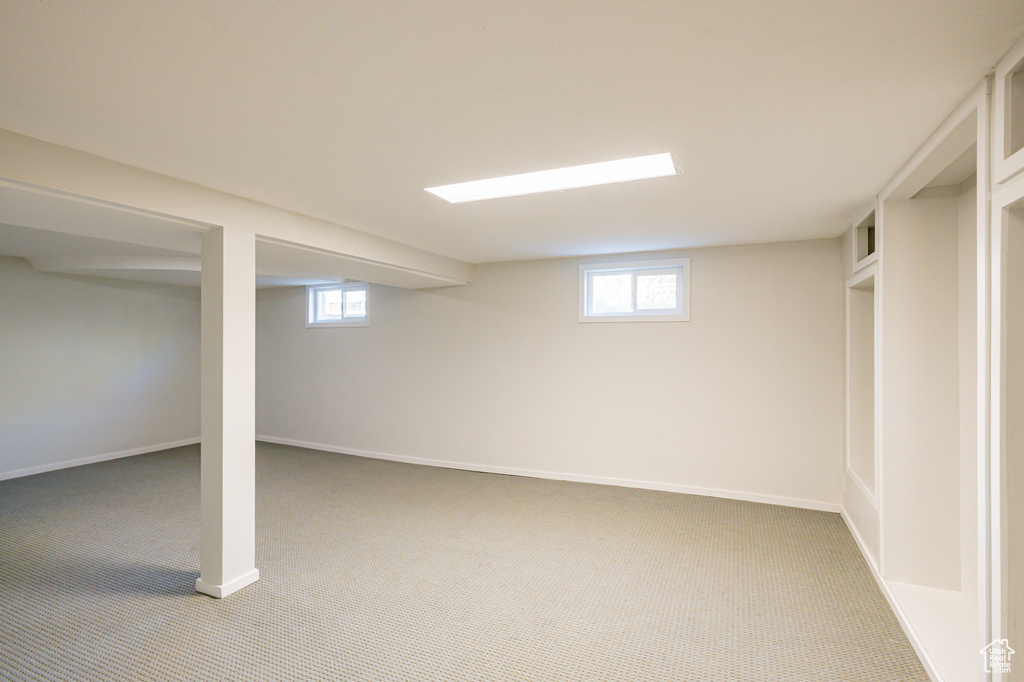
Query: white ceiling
(784,116)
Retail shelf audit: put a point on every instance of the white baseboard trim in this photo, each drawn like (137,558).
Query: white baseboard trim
(67,464)
(560,476)
(901,616)
(230,587)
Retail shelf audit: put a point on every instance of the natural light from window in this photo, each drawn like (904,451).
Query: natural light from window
(337,305)
(640,291)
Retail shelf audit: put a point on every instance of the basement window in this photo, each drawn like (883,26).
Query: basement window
(338,305)
(638,291)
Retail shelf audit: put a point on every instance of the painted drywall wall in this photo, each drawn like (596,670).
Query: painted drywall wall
(500,375)
(967,233)
(93,368)
(921,391)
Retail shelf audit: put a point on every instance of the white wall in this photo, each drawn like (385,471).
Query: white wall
(92,367)
(921,391)
(500,375)
(967,308)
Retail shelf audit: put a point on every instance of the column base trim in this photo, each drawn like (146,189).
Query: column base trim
(230,587)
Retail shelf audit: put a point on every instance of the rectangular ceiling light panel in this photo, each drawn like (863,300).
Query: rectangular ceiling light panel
(604,173)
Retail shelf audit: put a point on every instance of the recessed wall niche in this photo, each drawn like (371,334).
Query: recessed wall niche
(1008,450)
(1013,462)
(860,379)
(1015,108)
(931,219)
(864,241)
(1009,114)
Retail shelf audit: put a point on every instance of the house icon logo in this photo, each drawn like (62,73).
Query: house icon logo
(997,656)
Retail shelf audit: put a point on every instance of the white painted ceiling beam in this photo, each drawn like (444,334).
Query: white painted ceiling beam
(162,212)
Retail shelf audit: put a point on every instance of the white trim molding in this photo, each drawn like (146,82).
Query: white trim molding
(230,587)
(798,503)
(67,464)
(1007,198)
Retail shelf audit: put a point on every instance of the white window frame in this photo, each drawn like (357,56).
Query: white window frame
(681,313)
(311,301)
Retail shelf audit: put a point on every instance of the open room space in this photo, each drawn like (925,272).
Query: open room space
(384,570)
(512,341)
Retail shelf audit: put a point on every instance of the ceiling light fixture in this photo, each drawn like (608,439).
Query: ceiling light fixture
(604,173)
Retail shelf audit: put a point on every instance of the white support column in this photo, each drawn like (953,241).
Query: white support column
(228,404)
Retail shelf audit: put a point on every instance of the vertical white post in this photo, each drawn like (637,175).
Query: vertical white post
(228,408)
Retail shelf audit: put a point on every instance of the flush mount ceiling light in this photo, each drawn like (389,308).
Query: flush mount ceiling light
(604,173)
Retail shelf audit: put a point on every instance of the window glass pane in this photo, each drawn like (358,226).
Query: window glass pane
(612,293)
(641,291)
(355,303)
(656,292)
(328,305)
(338,305)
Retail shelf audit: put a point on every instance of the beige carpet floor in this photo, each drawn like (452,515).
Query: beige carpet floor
(375,570)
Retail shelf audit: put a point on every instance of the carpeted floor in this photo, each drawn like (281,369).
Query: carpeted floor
(374,570)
